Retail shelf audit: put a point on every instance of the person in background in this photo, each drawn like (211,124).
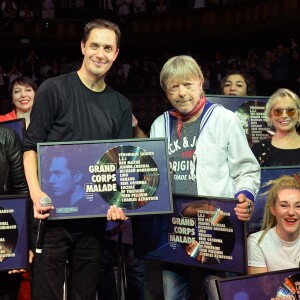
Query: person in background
(277,245)
(138,6)
(237,84)
(31,67)
(26,13)
(12,181)
(14,72)
(9,9)
(294,70)
(22,92)
(48,9)
(123,9)
(77,106)
(283,148)
(210,140)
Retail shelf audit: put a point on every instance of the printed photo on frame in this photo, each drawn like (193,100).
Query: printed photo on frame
(84,178)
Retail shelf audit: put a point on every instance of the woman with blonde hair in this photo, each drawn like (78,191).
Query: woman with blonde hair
(277,245)
(283,148)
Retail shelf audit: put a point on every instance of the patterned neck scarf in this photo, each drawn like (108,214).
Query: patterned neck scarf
(183,118)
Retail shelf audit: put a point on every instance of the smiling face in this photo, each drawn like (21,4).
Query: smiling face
(287,213)
(23,97)
(100,51)
(235,85)
(184,94)
(284,123)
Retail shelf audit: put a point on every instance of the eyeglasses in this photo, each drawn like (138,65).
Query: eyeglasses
(291,111)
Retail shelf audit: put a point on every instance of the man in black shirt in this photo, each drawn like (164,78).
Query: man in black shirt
(78,106)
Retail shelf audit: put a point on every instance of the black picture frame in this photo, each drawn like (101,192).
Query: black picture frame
(14,232)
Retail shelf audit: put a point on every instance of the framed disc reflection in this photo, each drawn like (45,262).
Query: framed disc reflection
(290,287)
(209,245)
(251,116)
(137,177)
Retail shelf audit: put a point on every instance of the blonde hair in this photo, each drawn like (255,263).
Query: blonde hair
(279,184)
(178,68)
(275,97)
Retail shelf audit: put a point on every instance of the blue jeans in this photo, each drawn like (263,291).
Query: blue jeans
(177,283)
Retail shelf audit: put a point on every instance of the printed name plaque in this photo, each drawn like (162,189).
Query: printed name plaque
(84,178)
(277,285)
(202,232)
(13,232)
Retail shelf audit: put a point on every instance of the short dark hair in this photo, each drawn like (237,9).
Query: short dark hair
(101,23)
(73,158)
(22,80)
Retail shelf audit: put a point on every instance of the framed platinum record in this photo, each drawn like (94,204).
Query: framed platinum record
(84,178)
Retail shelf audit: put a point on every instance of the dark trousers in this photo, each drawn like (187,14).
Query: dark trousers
(78,242)
(9,286)
(134,273)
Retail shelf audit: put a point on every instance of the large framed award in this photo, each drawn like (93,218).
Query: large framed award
(284,284)
(84,178)
(202,232)
(267,174)
(13,232)
(250,111)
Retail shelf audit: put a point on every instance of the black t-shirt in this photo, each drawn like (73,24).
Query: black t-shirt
(66,110)
(270,156)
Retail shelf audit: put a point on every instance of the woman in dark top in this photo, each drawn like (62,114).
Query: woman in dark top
(283,148)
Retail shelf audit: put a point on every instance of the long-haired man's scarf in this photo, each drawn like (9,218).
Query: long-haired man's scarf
(183,118)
